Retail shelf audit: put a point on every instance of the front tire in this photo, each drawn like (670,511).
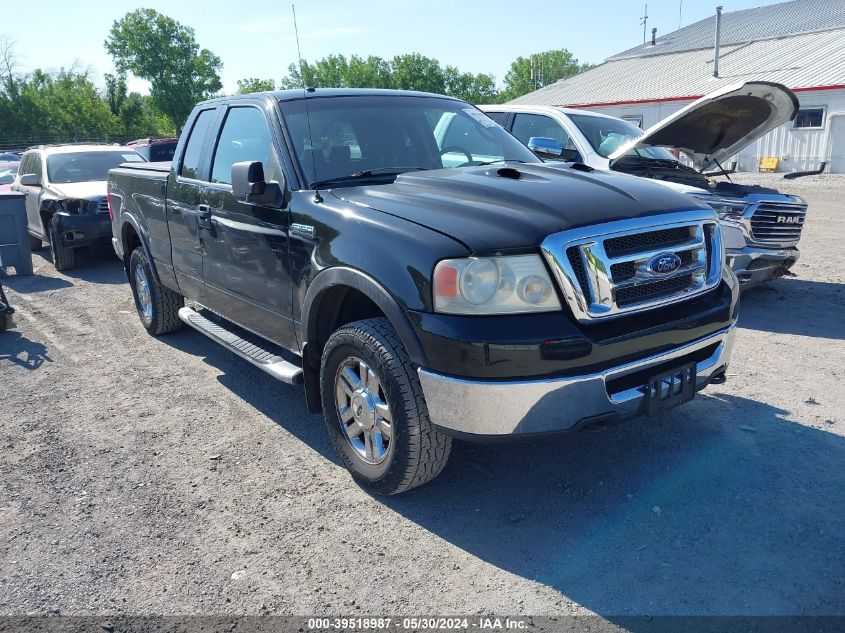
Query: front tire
(375,412)
(64,258)
(4,322)
(158,306)
(35,243)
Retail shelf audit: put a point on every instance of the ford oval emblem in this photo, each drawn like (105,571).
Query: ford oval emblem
(664,263)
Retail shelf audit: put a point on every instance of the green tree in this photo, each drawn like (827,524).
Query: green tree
(115,91)
(139,118)
(404,72)
(527,74)
(159,49)
(253,84)
(417,72)
(471,88)
(58,106)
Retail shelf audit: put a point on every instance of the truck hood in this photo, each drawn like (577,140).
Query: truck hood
(497,208)
(720,124)
(81,190)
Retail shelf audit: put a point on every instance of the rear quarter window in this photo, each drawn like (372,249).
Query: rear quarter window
(193,150)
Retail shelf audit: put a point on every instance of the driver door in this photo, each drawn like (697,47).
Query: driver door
(246,258)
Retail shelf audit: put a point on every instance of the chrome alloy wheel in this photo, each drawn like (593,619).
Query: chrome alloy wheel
(142,291)
(365,418)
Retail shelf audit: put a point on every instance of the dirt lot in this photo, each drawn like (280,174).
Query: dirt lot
(166,476)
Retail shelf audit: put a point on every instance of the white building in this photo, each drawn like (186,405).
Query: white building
(800,44)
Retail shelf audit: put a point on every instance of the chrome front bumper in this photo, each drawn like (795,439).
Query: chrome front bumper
(521,407)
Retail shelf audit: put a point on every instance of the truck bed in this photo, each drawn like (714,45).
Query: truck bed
(160,167)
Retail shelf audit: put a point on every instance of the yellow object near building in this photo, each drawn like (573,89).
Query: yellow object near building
(769,163)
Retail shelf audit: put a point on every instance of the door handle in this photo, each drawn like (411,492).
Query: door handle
(204,217)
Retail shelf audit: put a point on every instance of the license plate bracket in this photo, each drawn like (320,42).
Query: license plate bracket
(670,388)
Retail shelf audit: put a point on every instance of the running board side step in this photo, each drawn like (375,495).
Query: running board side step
(267,361)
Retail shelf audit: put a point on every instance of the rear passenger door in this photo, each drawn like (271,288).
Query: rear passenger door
(185,192)
(246,267)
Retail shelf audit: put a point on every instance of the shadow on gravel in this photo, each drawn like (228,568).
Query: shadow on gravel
(17,349)
(25,284)
(796,306)
(283,404)
(722,507)
(98,265)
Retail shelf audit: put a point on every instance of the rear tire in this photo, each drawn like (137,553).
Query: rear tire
(158,306)
(35,243)
(64,258)
(366,377)
(4,322)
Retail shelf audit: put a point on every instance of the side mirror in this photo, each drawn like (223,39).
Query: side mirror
(30,180)
(545,147)
(249,186)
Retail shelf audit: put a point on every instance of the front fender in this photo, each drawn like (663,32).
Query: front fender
(353,278)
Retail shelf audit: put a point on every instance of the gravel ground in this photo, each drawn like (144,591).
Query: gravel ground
(167,476)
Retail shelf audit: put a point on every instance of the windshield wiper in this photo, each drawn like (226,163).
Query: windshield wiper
(501,160)
(363,175)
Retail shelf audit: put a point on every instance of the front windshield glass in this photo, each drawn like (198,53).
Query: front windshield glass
(390,134)
(86,166)
(605,135)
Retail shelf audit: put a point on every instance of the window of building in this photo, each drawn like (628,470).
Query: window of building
(809,118)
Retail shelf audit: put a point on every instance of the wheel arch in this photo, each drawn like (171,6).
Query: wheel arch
(338,296)
(131,237)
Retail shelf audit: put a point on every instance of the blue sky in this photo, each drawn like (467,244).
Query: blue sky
(256,38)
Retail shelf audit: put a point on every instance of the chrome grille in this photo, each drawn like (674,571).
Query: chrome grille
(103,205)
(778,222)
(604,271)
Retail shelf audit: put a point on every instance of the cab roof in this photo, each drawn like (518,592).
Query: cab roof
(310,93)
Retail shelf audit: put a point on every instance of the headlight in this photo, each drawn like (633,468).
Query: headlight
(493,285)
(727,209)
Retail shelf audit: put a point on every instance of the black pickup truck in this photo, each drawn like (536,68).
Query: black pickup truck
(423,273)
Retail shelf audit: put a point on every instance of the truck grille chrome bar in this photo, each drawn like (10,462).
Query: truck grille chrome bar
(613,269)
(778,222)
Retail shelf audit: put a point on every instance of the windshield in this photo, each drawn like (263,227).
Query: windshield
(337,137)
(605,135)
(7,176)
(86,166)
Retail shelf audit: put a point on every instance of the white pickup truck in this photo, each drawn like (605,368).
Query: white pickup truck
(761,226)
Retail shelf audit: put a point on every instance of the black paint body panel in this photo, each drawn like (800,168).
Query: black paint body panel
(385,240)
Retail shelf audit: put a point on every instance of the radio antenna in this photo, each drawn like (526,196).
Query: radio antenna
(298,51)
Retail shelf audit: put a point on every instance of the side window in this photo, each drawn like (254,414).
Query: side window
(498,117)
(244,137)
(463,134)
(193,150)
(24,164)
(527,125)
(36,167)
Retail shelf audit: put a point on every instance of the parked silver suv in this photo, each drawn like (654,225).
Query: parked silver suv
(66,204)
(760,226)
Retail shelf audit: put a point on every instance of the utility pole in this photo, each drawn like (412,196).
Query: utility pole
(644,22)
(680,13)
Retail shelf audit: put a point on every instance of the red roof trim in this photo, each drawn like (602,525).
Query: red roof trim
(689,98)
(816,88)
